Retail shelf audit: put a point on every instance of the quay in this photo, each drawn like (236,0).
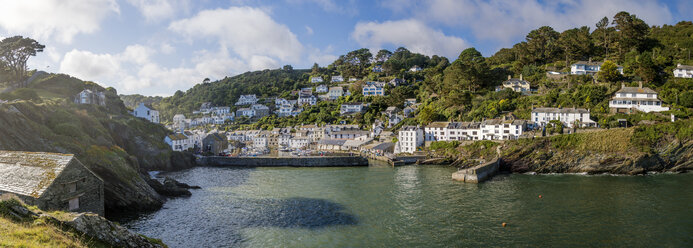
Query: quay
(308,161)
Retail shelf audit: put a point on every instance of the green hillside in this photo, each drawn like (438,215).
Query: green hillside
(107,139)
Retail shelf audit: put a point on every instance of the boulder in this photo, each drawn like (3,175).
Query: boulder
(96,226)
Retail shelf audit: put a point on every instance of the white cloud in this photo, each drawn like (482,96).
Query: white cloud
(309,30)
(508,20)
(331,5)
(156,10)
(412,34)
(134,71)
(322,57)
(167,48)
(248,32)
(54,19)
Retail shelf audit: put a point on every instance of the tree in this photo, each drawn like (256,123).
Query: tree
(382,55)
(15,52)
(542,44)
(602,35)
(609,72)
(575,43)
(205,81)
(288,68)
(315,69)
(632,31)
(469,71)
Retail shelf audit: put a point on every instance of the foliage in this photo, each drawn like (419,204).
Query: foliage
(609,72)
(15,52)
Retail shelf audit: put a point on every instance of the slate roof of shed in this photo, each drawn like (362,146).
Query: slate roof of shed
(30,173)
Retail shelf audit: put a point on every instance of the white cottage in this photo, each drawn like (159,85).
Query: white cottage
(146,112)
(642,99)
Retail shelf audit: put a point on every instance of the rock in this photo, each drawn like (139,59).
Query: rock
(179,184)
(170,187)
(109,232)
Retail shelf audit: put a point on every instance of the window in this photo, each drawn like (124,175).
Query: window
(71,187)
(73,204)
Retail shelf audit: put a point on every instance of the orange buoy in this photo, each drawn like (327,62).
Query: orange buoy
(504,224)
(539,196)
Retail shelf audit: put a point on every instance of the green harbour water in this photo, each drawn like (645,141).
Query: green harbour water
(420,206)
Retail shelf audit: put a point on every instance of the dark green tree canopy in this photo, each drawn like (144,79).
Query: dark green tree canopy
(15,52)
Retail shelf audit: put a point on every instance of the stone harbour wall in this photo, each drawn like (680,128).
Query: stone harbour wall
(282,161)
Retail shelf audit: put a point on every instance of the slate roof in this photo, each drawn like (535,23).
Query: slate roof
(560,110)
(685,67)
(331,142)
(30,173)
(177,136)
(644,90)
(437,125)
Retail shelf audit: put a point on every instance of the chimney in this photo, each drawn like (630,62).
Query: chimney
(623,85)
(520,77)
(508,77)
(640,84)
(590,60)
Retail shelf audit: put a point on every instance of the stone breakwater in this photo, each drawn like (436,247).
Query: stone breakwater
(477,173)
(282,161)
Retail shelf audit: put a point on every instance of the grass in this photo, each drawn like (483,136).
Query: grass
(37,232)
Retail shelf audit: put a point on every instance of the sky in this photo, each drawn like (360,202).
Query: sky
(155,47)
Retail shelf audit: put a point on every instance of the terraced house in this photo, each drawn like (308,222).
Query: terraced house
(51,181)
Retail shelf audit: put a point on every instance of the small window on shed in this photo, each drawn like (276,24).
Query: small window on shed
(71,187)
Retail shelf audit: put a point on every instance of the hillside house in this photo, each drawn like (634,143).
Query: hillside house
(307,99)
(335,92)
(337,79)
(683,71)
(567,116)
(321,89)
(146,112)
(373,90)
(351,108)
(260,110)
(316,79)
(378,68)
(640,98)
(91,97)
(415,68)
(589,68)
(178,141)
(246,100)
(396,82)
(516,84)
(247,112)
(409,139)
(51,181)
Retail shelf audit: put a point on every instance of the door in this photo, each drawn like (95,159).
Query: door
(74,203)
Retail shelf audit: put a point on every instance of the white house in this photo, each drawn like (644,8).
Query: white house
(353,79)
(260,142)
(299,142)
(373,90)
(464,131)
(436,131)
(518,85)
(336,79)
(378,68)
(147,112)
(307,99)
(246,100)
(91,97)
(396,82)
(178,141)
(321,89)
(415,68)
(642,99)
(409,138)
(316,79)
(499,129)
(335,92)
(567,116)
(683,71)
(350,108)
(409,102)
(220,111)
(589,68)
(394,120)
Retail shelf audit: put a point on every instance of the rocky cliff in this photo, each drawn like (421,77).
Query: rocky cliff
(27,226)
(115,145)
(664,147)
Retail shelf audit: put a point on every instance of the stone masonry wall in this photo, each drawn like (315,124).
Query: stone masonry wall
(89,189)
(277,162)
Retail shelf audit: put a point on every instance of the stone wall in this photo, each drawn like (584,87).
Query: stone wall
(88,188)
(478,173)
(278,162)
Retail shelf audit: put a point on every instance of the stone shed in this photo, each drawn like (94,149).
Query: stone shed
(51,181)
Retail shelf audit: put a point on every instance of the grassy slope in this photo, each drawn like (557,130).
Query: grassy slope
(108,140)
(661,147)
(29,232)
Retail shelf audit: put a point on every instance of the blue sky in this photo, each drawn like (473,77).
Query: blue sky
(155,47)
